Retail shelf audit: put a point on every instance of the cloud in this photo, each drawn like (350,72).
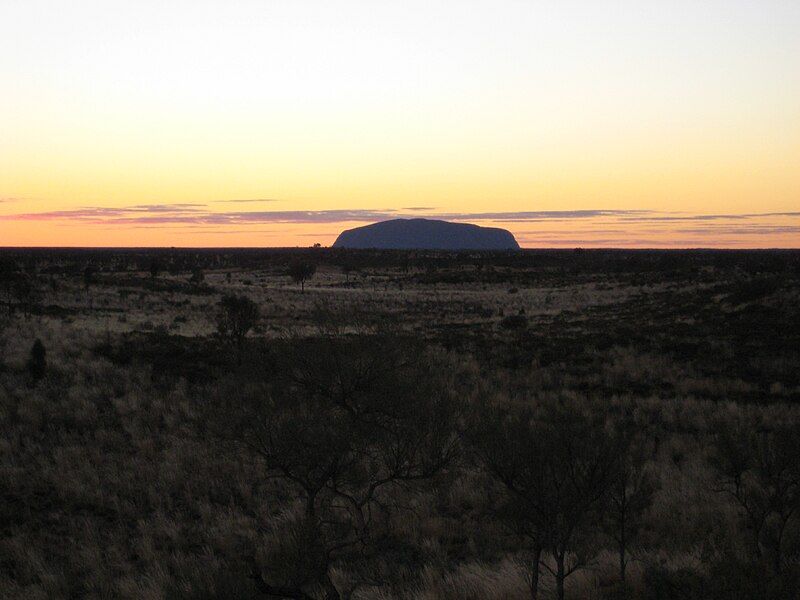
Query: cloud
(200,214)
(314,216)
(594,230)
(166,207)
(540,215)
(543,241)
(713,217)
(104,214)
(267,232)
(743,230)
(197,214)
(607,227)
(247,200)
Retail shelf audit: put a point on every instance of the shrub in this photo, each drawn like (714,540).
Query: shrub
(514,322)
(37,364)
(238,315)
(300,271)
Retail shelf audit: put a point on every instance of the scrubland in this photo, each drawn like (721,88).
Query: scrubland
(579,424)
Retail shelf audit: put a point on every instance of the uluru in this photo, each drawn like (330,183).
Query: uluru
(426,234)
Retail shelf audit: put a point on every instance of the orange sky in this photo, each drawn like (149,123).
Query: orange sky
(282,123)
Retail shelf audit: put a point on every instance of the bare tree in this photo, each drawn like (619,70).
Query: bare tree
(630,496)
(759,470)
(557,466)
(343,424)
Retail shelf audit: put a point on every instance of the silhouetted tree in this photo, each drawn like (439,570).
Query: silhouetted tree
(8,274)
(88,276)
(37,363)
(341,425)
(237,316)
(759,470)
(347,267)
(557,466)
(630,496)
(300,271)
(25,292)
(155,268)
(5,321)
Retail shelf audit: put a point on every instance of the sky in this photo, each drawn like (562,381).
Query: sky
(280,123)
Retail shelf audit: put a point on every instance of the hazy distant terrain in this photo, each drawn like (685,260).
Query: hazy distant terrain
(332,423)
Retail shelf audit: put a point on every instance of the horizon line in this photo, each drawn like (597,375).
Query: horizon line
(521,248)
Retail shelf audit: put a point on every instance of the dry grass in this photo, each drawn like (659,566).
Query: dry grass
(112,488)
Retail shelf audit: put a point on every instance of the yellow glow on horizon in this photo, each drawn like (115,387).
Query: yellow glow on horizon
(467,107)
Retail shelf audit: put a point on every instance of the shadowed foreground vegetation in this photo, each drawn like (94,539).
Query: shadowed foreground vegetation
(399,425)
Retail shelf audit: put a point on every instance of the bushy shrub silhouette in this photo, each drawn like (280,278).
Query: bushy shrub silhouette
(237,316)
(37,363)
(300,271)
(514,322)
(155,268)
